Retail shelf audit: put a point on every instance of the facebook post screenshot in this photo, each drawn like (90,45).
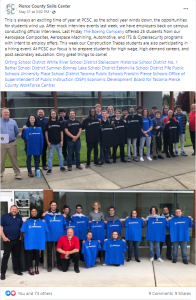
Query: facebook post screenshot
(97,141)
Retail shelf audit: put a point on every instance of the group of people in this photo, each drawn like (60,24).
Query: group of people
(90,239)
(159,131)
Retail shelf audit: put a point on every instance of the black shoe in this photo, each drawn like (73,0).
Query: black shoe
(59,268)
(128,259)
(65,270)
(154,157)
(168,156)
(101,163)
(98,164)
(62,169)
(123,160)
(44,168)
(49,269)
(185,261)
(116,265)
(137,259)
(48,172)
(77,271)
(173,155)
(155,256)
(18,273)
(169,258)
(87,166)
(114,161)
(193,154)
(174,261)
(108,162)
(2,276)
(160,156)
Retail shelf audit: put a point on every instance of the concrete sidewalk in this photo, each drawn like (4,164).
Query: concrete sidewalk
(168,174)
(132,274)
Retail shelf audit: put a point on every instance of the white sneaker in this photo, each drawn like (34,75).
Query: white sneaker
(149,158)
(160,260)
(141,159)
(97,259)
(104,265)
(152,258)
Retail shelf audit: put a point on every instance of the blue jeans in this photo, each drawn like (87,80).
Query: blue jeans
(157,248)
(131,245)
(73,147)
(36,162)
(50,155)
(183,246)
(104,154)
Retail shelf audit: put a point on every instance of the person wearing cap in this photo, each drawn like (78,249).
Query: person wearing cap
(182,120)
(154,109)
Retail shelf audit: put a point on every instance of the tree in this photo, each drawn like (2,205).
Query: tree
(166,99)
(184,100)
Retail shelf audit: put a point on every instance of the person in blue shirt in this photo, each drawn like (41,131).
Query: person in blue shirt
(182,119)
(133,234)
(33,137)
(90,249)
(179,231)
(34,239)
(153,233)
(56,225)
(115,249)
(9,127)
(42,122)
(82,221)
(10,232)
(146,134)
(98,111)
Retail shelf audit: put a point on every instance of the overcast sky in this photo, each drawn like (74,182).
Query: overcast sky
(175,94)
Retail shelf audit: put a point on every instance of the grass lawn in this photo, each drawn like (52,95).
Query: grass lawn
(22,156)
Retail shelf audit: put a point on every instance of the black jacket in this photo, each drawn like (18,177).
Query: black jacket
(108,137)
(120,131)
(92,130)
(134,127)
(172,131)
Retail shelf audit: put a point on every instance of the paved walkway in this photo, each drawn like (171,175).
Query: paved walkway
(168,174)
(132,274)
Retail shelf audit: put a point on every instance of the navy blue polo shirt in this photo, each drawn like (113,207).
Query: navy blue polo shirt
(11,226)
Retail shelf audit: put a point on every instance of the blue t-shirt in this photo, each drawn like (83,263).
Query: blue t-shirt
(179,228)
(98,230)
(82,226)
(99,117)
(114,252)
(133,229)
(90,250)
(11,226)
(35,234)
(164,115)
(34,138)
(56,225)
(178,117)
(72,225)
(147,123)
(156,229)
(113,225)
